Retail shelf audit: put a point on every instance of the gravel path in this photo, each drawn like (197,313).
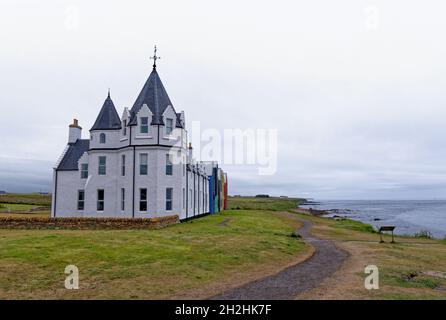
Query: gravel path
(296,279)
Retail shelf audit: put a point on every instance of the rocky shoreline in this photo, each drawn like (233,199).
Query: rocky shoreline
(329,213)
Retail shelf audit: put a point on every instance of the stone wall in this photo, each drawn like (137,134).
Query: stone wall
(87,223)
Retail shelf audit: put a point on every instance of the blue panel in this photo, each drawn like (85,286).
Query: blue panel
(211,194)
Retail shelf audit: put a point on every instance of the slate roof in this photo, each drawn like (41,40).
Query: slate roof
(179,123)
(155,97)
(108,118)
(73,154)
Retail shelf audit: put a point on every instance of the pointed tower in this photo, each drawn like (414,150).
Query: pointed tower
(108,118)
(155,96)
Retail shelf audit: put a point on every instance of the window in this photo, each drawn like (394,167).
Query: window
(184,198)
(124,127)
(102,165)
(123,165)
(84,170)
(169,126)
(122,199)
(168,164)
(142,199)
(169,194)
(190,197)
(143,164)
(102,138)
(100,204)
(144,127)
(80,199)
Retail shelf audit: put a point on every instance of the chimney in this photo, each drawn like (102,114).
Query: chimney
(75,132)
(189,152)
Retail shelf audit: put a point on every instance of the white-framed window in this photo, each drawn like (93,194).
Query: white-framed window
(143,163)
(122,199)
(84,170)
(101,200)
(80,200)
(102,138)
(102,168)
(169,196)
(169,126)
(144,125)
(123,165)
(169,166)
(143,199)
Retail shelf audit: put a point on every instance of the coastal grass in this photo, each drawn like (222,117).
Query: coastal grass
(206,256)
(410,268)
(353,225)
(23,210)
(25,205)
(14,207)
(195,259)
(272,203)
(26,198)
(39,214)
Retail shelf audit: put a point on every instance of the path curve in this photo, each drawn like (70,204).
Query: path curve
(296,279)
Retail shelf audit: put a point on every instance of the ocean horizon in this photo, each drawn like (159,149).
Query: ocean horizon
(409,216)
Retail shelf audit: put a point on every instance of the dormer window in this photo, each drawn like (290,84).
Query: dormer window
(102,138)
(144,125)
(169,126)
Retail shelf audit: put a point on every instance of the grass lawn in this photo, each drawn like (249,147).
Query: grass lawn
(25,205)
(274,204)
(23,210)
(206,256)
(26,198)
(196,259)
(412,268)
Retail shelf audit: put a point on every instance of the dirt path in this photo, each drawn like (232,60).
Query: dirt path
(296,279)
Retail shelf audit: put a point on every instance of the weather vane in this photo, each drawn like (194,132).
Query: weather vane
(155,57)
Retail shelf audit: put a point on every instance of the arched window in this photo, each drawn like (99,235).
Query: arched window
(102,138)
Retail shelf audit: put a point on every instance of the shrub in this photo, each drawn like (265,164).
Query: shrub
(295,235)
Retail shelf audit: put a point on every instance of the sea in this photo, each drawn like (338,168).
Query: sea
(409,216)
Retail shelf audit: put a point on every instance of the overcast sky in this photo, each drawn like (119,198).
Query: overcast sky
(356,89)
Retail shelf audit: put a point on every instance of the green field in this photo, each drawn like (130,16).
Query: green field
(273,204)
(203,257)
(25,205)
(26,198)
(195,259)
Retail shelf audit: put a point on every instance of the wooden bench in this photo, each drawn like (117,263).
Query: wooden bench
(385,228)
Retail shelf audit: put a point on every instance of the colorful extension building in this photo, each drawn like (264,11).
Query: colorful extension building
(218,187)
